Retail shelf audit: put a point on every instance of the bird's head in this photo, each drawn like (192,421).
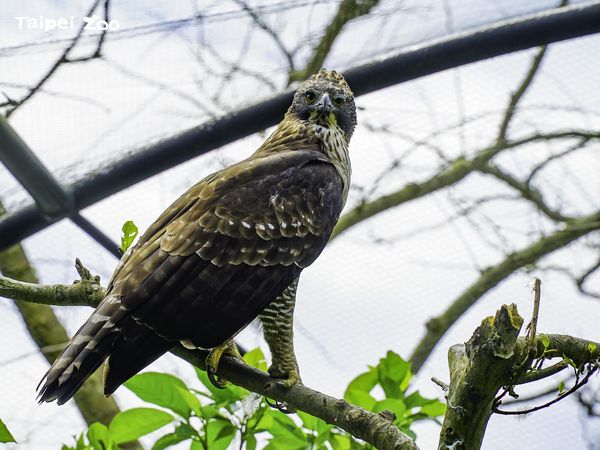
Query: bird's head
(326,100)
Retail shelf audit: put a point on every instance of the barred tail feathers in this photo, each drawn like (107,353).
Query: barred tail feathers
(86,351)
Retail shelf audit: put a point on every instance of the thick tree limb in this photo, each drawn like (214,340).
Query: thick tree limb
(376,429)
(491,359)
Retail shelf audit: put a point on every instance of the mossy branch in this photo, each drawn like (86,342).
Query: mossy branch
(492,359)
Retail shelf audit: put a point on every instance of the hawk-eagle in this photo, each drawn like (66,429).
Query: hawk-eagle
(229,249)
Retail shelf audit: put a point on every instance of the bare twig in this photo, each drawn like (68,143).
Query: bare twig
(575,387)
(580,281)
(540,374)
(64,58)
(532,327)
(519,93)
(258,20)
(527,192)
(97,53)
(348,10)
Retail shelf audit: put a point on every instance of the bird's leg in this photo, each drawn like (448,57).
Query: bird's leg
(277,321)
(214,357)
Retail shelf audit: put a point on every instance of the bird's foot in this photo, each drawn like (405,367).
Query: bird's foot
(213,359)
(285,378)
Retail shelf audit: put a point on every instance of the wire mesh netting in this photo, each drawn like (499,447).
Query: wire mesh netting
(171,67)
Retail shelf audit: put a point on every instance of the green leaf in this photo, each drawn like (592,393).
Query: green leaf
(284,426)
(196,446)
(365,382)
(181,433)
(415,400)
(134,423)
(130,231)
(309,422)
(164,390)
(393,367)
(544,340)
(360,398)
(561,387)
(168,440)
(5,435)
(569,361)
(591,348)
(340,442)
(250,442)
(99,437)
(286,443)
(394,375)
(190,399)
(410,433)
(81,445)
(434,409)
(256,358)
(219,434)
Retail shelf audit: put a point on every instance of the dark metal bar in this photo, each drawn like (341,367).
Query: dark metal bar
(96,234)
(425,59)
(52,200)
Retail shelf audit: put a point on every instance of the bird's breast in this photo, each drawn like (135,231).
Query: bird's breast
(335,145)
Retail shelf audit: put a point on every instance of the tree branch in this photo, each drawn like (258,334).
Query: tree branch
(526,191)
(348,10)
(63,59)
(376,429)
(49,335)
(438,326)
(491,359)
(267,29)
(519,93)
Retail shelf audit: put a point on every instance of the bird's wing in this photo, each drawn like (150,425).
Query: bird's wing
(208,266)
(219,258)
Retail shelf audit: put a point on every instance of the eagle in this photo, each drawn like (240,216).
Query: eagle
(227,251)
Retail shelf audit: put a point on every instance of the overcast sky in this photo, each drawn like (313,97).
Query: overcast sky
(373,288)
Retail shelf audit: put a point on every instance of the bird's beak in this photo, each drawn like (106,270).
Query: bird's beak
(324,106)
(323,112)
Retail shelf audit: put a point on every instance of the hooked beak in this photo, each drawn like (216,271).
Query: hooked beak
(324,106)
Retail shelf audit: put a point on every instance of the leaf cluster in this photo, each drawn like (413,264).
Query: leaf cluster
(207,418)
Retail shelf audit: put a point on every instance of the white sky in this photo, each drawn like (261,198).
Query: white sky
(360,298)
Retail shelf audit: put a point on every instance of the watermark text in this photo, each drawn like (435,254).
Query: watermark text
(63,23)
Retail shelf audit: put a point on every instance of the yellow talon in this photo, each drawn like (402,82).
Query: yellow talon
(213,359)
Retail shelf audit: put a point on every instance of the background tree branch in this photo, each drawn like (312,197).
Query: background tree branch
(48,333)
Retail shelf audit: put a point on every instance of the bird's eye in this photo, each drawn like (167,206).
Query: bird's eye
(338,100)
(310,96)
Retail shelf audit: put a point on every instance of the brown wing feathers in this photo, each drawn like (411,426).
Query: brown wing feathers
(207,267)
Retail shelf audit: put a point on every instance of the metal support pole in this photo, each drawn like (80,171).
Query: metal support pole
(52,200)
